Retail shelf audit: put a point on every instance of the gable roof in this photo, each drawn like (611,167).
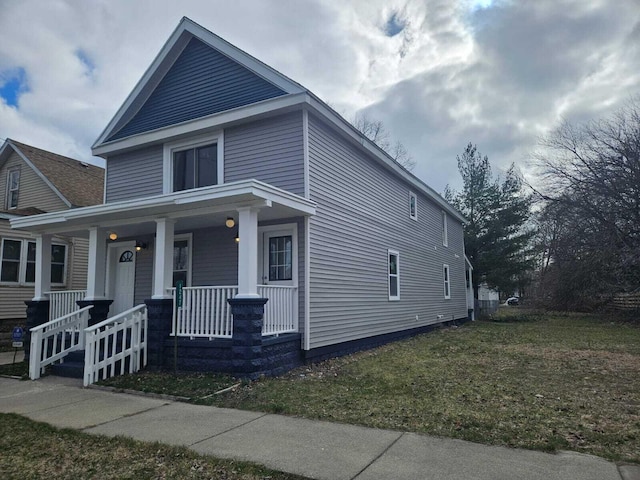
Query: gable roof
(78,184)
(295,96)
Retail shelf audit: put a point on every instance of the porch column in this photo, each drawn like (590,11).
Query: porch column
(163,269)
(248,253)
(96,270)
(43,267)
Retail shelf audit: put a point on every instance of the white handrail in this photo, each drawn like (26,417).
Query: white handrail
(113,343)
(53,340)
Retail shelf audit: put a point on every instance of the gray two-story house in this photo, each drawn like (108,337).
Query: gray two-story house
(230,178)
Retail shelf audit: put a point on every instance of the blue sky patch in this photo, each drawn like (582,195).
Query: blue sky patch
(394,25)
(13,83)
(86,61)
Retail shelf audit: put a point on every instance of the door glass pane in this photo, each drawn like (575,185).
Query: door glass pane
(207,166)
(180,261)
(280,258)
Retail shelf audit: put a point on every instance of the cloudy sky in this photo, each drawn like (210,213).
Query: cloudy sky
(438,73)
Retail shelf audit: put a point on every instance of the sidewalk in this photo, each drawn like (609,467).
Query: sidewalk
(7,357)
(315,449)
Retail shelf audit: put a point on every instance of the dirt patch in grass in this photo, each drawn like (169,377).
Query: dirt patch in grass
(35,450)
(552,382)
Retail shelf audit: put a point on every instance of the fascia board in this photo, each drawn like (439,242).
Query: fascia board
(356,136)
(214,121)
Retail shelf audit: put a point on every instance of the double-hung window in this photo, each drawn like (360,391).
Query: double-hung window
(18,262)
(13,187)
(193,163)
(445,232)
(394,274)
(446,281)
(413,206)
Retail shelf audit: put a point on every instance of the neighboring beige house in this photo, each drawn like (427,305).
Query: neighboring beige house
(34,181)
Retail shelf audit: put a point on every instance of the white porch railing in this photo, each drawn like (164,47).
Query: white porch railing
(53,340)
(281,311)
(63,302)
(123,339)
(205,312)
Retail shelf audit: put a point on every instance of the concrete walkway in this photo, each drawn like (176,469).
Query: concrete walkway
(8,357)
(319,450)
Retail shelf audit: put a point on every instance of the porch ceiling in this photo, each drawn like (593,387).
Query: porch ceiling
(192,209)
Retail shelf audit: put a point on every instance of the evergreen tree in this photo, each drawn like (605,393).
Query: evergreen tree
(496,237)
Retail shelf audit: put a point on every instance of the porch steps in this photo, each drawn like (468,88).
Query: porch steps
(73,365)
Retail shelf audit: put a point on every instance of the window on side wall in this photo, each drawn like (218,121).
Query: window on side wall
(413,206)
(447,281)
(394,274)
(13,188)
(445,233)
(19,262)
(193,163)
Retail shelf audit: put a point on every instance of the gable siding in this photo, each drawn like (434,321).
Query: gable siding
(362,211)
(34,192)
(134,174)
(270,150)
(201,82)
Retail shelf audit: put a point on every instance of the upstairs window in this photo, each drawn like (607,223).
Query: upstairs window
(445,234)
(193,163)
(413,206)
(394,275)
(19,262)
(195,167)
(13,186)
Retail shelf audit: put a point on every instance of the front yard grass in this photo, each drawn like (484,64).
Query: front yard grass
(537,381)
(30,449)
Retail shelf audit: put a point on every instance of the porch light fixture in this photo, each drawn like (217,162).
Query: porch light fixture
(140,246)
(237,238)
(230,223)
(113,236)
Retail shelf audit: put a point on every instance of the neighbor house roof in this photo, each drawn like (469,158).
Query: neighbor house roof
(77,183)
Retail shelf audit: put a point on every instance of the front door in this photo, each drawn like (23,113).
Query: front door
(278,258)
(124,279)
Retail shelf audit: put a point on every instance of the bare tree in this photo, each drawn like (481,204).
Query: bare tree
(591,188)
(375,131)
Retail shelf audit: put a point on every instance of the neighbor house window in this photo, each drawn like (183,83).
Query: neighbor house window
(394,275)
(182,260)
(193,163)
(19,262)
(13,186)
(413,206)
(447,282)
(445,234)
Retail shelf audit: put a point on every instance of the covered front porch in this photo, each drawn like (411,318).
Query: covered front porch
(238,241)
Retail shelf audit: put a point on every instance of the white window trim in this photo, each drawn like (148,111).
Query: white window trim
(446,281)
(9,190)
(413,197)
(191,142)
(445,229)
(397,275)
(287,229)
(22,268)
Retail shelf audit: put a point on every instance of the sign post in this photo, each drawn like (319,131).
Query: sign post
(17,336)
(179,297)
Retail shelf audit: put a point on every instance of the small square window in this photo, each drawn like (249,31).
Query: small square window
(413,206)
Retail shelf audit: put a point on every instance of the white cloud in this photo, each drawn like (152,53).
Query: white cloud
(496,73)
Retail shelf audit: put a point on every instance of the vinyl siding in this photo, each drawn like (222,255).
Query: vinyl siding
(13,296)
(134,174)
(270,150)
(33,192)
(201,82)
(362,211)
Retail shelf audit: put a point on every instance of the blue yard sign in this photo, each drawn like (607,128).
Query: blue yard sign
(17,335)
